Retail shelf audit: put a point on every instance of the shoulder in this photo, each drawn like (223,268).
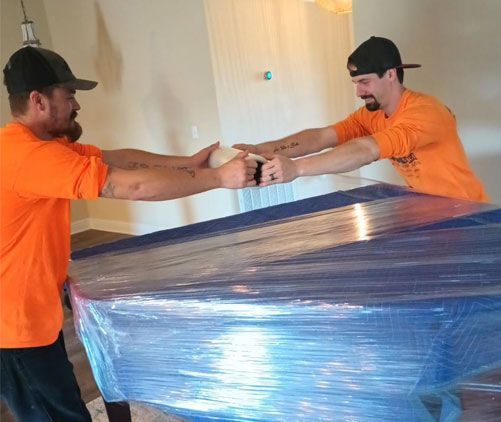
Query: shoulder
(415,100)
(17,142)
(82,149)
(419,105)
(16,132)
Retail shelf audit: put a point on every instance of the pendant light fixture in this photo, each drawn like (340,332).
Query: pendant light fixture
(28,31)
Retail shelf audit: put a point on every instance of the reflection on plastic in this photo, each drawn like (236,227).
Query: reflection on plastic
(356,313)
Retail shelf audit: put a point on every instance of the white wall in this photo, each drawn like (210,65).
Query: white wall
(458,42)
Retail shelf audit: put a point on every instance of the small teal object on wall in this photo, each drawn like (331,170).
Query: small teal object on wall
(268,75)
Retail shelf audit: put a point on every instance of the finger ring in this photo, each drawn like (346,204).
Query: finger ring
(273,177)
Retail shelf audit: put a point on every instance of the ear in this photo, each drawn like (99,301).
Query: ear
(392,74)
(38,100)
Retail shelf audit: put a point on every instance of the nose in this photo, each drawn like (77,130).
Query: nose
(361,91)
(76,105)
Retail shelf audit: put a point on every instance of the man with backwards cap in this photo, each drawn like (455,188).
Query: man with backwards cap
(41,169)
(415,131)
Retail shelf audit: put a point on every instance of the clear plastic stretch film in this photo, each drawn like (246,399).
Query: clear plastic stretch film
(349,314)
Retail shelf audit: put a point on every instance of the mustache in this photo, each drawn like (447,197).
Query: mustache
(73,115)
(364,97)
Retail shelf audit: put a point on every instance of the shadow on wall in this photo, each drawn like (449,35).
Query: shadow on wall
(108,64)
(487,169)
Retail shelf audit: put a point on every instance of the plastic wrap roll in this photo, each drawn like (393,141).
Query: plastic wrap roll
(224,154)
(355,313)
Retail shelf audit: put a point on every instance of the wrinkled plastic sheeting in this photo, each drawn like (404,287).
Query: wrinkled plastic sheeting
(345,314)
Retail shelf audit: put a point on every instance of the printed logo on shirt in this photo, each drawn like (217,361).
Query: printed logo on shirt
(409,167)
(405,160)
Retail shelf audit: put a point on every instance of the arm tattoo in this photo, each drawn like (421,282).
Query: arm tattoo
(109,188)
(293,144)
(188,170)
(134,165)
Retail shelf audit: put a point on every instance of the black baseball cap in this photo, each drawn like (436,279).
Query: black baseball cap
(32,68)
(376,55)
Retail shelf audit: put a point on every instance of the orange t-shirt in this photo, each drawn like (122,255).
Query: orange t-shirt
(423,144)
(37,180)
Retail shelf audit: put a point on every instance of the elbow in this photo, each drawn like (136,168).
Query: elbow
(136,192)
(371,150)
(134,185)
(141,191)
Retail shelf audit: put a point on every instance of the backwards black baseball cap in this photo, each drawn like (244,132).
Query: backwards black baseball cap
(376,55)
(32,68)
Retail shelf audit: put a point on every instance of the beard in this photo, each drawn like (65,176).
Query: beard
(74,132)
(374,106)
(71,131)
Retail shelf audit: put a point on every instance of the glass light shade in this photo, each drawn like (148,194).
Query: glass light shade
(29,37)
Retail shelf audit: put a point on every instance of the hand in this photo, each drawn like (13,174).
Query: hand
(238,172)
(246,147)
(201,158)
(279,169)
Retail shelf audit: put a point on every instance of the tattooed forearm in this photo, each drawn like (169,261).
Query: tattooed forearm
(293,144)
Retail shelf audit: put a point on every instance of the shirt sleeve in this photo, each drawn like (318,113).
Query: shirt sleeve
(82,149)
(350,128)
(416,127)
(54,170)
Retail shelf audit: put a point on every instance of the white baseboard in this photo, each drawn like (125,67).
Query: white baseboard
(113,226)
(80,226)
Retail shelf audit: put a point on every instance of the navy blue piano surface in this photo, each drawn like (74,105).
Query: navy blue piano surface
(283,211)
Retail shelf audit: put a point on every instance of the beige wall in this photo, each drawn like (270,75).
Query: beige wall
(154,67)
(156,81)
(458,42)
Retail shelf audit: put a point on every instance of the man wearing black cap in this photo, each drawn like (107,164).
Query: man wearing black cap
(41,169)
(415,131)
